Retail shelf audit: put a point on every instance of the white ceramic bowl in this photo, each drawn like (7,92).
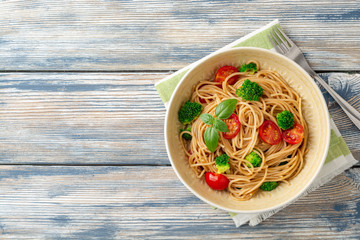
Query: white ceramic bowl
(314,109)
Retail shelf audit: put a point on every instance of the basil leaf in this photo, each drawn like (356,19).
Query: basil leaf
(207,118)
(225,108)
(220,126)
(211,137)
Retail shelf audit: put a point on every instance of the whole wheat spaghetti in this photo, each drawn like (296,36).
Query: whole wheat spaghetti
(280,162)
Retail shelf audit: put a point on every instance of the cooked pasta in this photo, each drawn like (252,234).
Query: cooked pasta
(280,162)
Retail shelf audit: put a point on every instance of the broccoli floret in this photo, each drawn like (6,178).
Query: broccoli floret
(222,163)
(250,91)
(269,186)
(250,68)
(254,159)
(285,120)
(186,136)
(189,112)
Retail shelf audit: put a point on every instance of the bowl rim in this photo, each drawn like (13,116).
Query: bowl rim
(323,103)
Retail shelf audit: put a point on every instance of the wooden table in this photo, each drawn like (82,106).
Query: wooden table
(82,146)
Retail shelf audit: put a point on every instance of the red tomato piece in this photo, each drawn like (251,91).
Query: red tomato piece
(234,125)
(224,72)
(219,85)
(270,132)
(294,135)
(216,181)
(202,100)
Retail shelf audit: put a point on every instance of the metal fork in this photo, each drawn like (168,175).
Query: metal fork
(285,46)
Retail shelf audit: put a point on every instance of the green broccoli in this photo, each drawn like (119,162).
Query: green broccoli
(222,163)
(189,112)
(285,120)
(254,159)
(269,186)
(250,91)
(186,136)
(250,68)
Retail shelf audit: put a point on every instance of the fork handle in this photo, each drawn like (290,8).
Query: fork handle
(352,113)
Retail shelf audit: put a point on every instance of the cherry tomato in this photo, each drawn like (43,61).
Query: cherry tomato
(234,125)
(270,132)
(294,135)
(225,71)
(216,181)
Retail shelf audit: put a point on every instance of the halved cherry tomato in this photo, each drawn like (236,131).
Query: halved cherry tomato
(294,135)
(225,71)
(202,100)
(270,132)
(216,181)
(234,125)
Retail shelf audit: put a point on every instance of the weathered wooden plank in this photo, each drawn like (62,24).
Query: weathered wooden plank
(154,35)
(151,203)
(81,119)
(102,118)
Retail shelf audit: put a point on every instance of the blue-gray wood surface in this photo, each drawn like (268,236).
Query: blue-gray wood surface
(82,152)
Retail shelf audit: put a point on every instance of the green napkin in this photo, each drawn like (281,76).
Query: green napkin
(339,157)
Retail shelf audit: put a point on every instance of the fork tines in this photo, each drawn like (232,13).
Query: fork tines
(280,41)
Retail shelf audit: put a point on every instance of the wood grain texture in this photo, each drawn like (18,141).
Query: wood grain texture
(156,35)
(81,119)
(130,202)
(98,118)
